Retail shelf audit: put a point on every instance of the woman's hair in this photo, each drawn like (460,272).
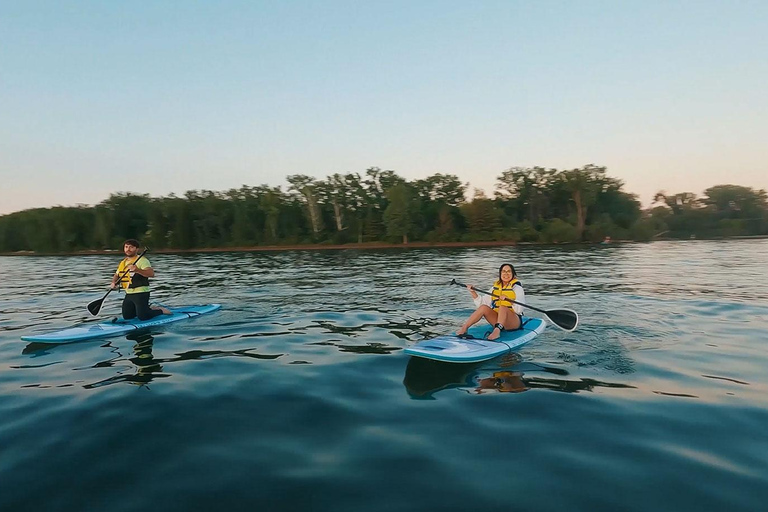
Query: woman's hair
(514,274)
(135,243)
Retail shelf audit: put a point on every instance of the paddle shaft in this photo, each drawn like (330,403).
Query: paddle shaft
(505,298)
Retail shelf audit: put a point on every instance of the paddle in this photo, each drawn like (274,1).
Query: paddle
(95,306)
(565,319)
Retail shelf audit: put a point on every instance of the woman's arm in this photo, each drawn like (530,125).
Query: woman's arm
(519,297)
(480,300)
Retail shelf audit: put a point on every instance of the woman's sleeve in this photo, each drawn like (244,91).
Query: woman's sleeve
(519,297)
(483,299)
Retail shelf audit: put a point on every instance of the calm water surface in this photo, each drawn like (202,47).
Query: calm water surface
(298,394)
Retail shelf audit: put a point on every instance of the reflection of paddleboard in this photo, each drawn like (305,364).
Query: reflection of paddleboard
(424,377)
(453,349)
(107,329)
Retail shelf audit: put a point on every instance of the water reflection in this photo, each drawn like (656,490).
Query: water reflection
(149,367)
(402,328)
(368,348)
(210,354)
(424,377)
(146,367)
(503,382)
(36,349)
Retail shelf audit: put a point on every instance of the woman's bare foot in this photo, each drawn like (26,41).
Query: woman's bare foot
(495,333)
(165,311)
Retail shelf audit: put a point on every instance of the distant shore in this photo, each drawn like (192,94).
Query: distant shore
(361,246)
(292,247)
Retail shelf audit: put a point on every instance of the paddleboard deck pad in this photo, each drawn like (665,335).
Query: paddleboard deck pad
(453,349)
(119,327)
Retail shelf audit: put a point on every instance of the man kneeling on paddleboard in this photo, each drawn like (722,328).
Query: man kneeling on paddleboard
(133,275)
(496,307)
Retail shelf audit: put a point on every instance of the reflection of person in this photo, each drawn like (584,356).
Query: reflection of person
(425,377)
(503,382)
(147,367)
(502,314)
(135,282)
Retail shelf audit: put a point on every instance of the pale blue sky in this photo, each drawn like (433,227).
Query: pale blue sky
(158,97)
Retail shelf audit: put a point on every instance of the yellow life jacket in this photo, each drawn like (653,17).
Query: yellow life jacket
(136,282)
(502,293)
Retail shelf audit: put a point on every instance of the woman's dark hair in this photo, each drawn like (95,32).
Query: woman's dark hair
(135,243)
(514,274)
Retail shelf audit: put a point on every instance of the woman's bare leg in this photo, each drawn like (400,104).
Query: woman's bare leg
(481,312)
(508,319)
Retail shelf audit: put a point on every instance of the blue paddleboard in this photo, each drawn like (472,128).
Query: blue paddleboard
(452,349)
(107,329)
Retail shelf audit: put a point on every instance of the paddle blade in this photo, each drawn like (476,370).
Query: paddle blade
(565,319)
(95,306)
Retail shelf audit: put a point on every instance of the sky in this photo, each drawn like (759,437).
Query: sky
(158,97)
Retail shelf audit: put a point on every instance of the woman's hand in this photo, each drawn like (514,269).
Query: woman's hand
(470,288)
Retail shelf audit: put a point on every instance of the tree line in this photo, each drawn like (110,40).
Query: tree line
(530,204)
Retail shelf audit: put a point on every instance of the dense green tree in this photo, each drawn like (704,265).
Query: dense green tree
(440,197)
(358,203)
(483,216)
(559,231)
(129,214)
(271,201)
(732,201)
(245,216)
(103,228)
(306,187)
(335,191)
(38,230)
(584,185)
(525,191)
(622,208)
(401,214)
(677,203)
(377,183)
(12,234)
(534,204)
(182,233)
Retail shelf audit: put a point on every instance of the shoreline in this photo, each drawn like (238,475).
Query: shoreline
(367,246)
(291,247)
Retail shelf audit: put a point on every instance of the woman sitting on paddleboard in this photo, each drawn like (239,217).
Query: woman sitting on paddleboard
(502,314)
(133,275)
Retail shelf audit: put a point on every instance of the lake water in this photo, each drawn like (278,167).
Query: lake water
(297,393)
